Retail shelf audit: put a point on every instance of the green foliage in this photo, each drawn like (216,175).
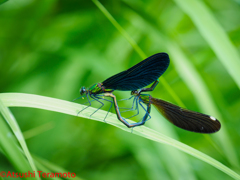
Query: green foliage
(52,48)
(3,1)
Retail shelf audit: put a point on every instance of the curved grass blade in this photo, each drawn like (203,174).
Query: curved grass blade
(193,80)
(18,133)
(11,150)
(41,102)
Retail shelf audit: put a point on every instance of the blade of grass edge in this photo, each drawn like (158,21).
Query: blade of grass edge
(51,104)
(11,150)
(214,34)
(18,133)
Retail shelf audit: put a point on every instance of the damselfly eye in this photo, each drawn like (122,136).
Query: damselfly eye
(134,92)
(82,90)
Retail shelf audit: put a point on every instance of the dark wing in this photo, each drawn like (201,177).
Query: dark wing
(186,119)
(140,75)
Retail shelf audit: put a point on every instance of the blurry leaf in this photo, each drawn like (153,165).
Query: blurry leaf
(3,1)
(119,28)
(214,34)
(38,130)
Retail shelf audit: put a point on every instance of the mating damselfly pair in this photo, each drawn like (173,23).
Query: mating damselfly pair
(135,79)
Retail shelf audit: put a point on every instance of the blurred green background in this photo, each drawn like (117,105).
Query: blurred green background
(53,47)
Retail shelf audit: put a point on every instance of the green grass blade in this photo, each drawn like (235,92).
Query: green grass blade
(47,166)
(38,130)
(192,79)
(12,151)
(45,170)
(136,47)
(223,137)
(35,101)
(214,34)
(18,133)
(201,93)
(188,172)
(119,28)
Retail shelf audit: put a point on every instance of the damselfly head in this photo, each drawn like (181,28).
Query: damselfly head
(83,90)
(135,92)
